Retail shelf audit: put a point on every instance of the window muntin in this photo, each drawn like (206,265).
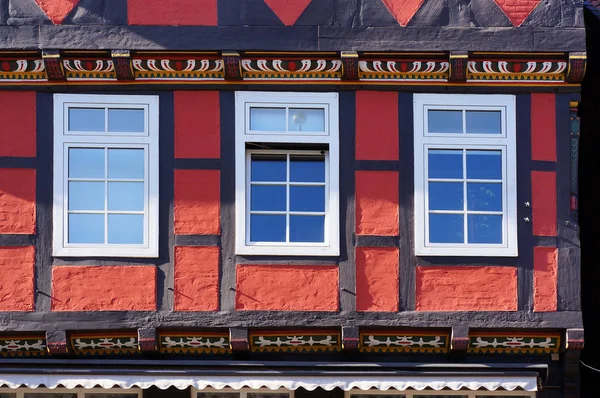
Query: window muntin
(287,191)
(106,175)
(465,175)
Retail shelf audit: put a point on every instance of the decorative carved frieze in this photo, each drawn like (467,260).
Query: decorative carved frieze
(104,344)
(23,346)
(514,343)
(528,68)
(411,67)
(190,67)
(22,69)
(89,69)
(296,341)
(194,343)
(407,341)
(288,68)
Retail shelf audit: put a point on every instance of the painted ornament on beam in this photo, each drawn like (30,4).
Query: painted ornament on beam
(288,11)
(57,10)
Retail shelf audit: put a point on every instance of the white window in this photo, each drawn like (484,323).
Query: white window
(465,175)
(244,393)
(287,173)
(70,393)
(105,175)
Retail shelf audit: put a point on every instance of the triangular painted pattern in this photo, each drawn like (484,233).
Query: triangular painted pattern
(403,10)
(517,10)
(57,10)
(288,11)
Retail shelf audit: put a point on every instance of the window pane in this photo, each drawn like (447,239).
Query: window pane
(484,165)
(305,198)
(126,196)
(268,168)
(268,395)
(86,119)
(377,396)
(441,396)
(307,168)
(50,395)
(86,195)
(307,228)
(126,120)
(86,162)
(448,122)
(446,228)
(267,119)
(126,163)
(484,228)
(126,228)
(484,122)
(267,228)
(268,198)
(484,197)
(218,395)
(503,396)
(306,119)
(86,228)
(7,395)
(443,163)
(87,395)
(446,196)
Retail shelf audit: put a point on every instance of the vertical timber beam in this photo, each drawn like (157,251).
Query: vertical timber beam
(349,65)
(458,66)
(122,64)
(54,66)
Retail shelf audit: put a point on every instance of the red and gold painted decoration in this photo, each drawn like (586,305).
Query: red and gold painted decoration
(22,68)
(194,343)
(296,341)
(514,343)
(188,67)
(405,341)
(23,346)
(296,68)
(105,344)
(404,67)
(545,68)
(89,69)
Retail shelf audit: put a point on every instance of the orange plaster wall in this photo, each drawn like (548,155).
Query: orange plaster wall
(543,203)
(287,288)
(543,126)
(197,124)
(376,125)
(197,202)
(172,12)
(377,203)
(18,115)
(196,278)
(17,201)
(104,288)
(545,278)
(466,288)
(17,278)
(377,280)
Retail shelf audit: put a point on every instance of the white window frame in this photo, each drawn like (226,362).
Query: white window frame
(65,139)
(81,392)
(449,394)
(330,137)
(243,392)
(506,142)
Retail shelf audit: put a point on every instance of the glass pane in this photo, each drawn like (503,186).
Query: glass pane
(484,197)
(306,119)
(484,122)
(484,228)
(267,119)
(446,228)
(267,228)
(86,162)
(268,168)
(447,122)
(485,165)
(377,396)
(446,196)
(443,163)
(218,395)
(86,119)
(126,196)
(86,195)
(307,198)
(441,396)
(50,395)
(307,228)
(268,395)
(126,120)
(307,168)
(503,396)
(268,198)
(126,228)
(7,395)
(86,228)
(126,163)
(88,395)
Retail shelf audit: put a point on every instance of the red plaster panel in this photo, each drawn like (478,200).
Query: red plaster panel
(545,278)
(517,10)
(16,278)
(543,126)
(543,203)
(288,11)
(287,288)
(17,201)
(17,136)
(172,12)
(197,202)
(196,278)
(466,288)
(104,288)
(197,124)
(403,10)
(377,203)
(57,10)
(377,279)
(376,125)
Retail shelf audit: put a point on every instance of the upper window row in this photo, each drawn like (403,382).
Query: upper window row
(287,174)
